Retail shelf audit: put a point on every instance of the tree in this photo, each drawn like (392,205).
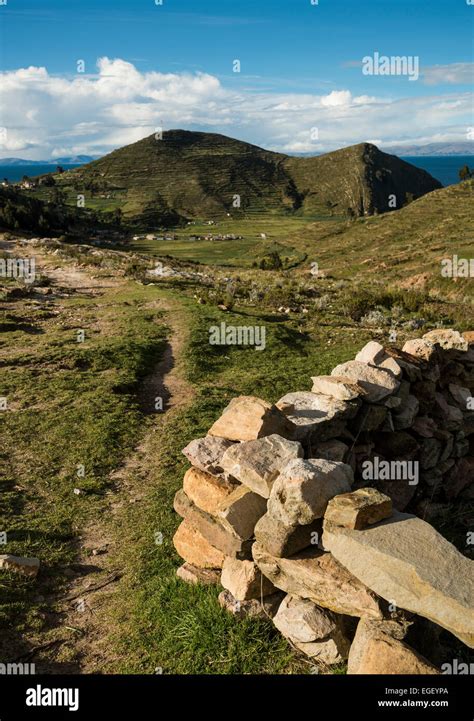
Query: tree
(465,173)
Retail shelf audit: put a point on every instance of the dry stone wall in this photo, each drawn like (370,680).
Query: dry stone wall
(315,512)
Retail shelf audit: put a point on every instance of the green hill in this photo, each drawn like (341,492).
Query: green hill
(189,175)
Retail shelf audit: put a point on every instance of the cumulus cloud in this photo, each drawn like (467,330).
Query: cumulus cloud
(49,116)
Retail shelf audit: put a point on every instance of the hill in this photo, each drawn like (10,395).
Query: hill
(189,175)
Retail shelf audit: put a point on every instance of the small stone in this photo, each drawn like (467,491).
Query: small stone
(253,608)
(424,426)
(206,454)
(257,464)
(404,416)
(240,511)
(195,549)
(421,348)
(244,580)
(358,509)
(247,418)
(377,650)
(303,489)
(375,354)
(460,395)
(206,491)
(194,575)
(25,566)
(337,387)
(331,450)
(377,382)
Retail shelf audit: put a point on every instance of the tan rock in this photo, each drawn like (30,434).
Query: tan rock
(240,512)
(212,528)
(247,418)
(303,489)
(206,491)
(318,576)
(194,575)
(447,339)
(25,566)
(359,509)
(337,387)
(206,454)
(282,540)
(375,354)
(317,417)
(313,630)
(404,560)
(376,650)
(195,549)
(244,580)
(421,348)
(253,608)
(377,382)
(257,464)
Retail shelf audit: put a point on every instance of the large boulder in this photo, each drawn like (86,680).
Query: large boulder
(318,576)
(247,418)
(404,560)
(303,489)
(257,464)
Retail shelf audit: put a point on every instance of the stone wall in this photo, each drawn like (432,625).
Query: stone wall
(315,511)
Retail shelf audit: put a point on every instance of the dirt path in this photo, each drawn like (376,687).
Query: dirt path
(79,639)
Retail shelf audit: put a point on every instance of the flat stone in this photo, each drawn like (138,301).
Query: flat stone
(449,417)
(358,509)
(369,418)
(316,416)
(240,512)
(244,580)
(194,575)
(303,489)
(337,387)
(257,464)
(25,566)
(404,560)
(430,452)
(206,454)
(195,549)
(313,630)
(424,426)
(206,491)
(282,540)
(318,576)
(219,535)
(377,650)
(375,354)
(247,418)
(404,416)
(377,382)
(460,395)
(253,608)
(447,339)
(459,477)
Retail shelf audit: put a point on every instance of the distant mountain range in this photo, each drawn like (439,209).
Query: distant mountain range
(73,160)
(188,175)
(431,149)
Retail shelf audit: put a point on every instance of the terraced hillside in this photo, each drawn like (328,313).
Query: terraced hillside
(198,175)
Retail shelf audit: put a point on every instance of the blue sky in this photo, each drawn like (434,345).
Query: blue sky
(293,55)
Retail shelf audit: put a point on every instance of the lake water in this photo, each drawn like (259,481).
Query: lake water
(14,173)
(445,169)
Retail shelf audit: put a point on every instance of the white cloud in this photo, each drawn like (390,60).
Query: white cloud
(453,74)
(47,116)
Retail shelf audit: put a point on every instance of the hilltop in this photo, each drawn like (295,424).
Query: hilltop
(186,175)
